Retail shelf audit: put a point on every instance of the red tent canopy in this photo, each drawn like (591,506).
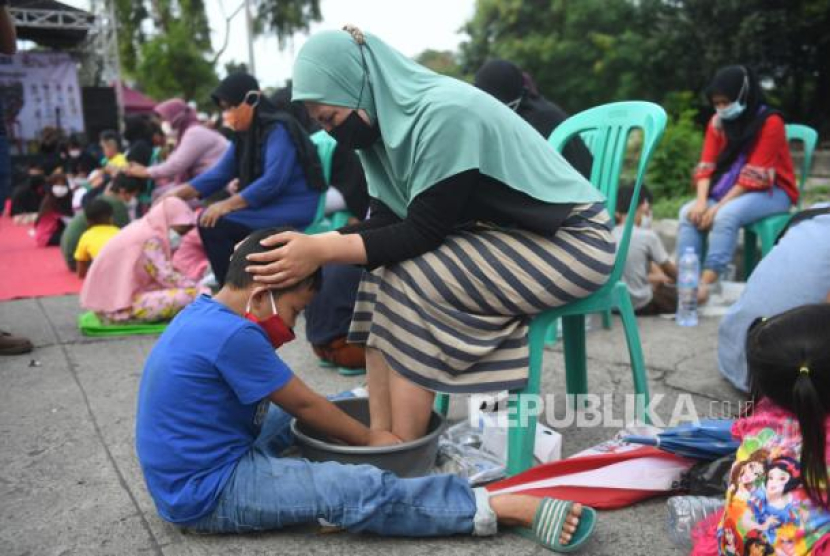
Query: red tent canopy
(135,102)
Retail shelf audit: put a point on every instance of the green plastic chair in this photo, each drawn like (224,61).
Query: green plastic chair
(325,145)
(768,229)
(610,125)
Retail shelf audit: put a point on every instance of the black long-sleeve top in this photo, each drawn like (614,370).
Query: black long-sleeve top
(451,204)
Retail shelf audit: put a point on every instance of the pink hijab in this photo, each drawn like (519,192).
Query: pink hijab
(116,275)
(178,114)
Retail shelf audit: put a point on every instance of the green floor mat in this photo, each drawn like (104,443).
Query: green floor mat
(90,325)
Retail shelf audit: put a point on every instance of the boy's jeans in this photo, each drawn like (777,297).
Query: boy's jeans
(268,492)
(723,237)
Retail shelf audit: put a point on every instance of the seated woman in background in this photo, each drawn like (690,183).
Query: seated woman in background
(197,147)
(133,278)
(279,173)
(505,81)
(745,171)
(347,182)
(55,211)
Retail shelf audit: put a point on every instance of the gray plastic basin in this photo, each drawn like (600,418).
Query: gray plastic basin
(410,459)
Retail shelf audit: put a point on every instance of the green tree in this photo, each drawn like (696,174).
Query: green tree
(579,53)
(587,52)
(171,64)
(165,44)
(285,17)
(440,61)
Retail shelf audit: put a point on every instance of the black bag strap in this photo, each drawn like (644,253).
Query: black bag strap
(801,217)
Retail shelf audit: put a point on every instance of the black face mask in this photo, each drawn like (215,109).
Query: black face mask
(354,133)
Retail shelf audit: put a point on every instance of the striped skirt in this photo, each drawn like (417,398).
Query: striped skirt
(456,319)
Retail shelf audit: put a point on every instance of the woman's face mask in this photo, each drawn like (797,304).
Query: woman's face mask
(731,111)
(60,191)
(354,133)
(167,129)
(74,153)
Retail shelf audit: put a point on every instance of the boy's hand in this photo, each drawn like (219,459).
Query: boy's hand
(320,414)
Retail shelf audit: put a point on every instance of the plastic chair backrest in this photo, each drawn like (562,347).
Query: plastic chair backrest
(325,145)
(605,130)
(808,137)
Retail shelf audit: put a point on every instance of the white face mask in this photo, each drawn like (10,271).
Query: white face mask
(175,239)
(167,129)
(74,153)
(731,111)
(132,204)
(60,191)
(645,222)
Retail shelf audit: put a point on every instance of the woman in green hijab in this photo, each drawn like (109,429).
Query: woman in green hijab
(476,224)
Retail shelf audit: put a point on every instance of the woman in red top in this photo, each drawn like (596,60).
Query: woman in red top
(745,171)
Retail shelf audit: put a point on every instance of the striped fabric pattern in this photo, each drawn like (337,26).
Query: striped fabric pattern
(456,319)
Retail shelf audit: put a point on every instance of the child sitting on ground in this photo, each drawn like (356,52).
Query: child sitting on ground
(119,197)
(786,510)
(214,408)
(649,273)
(101,229)
(55,211)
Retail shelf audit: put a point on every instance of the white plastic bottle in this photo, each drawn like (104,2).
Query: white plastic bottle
(684,512)
(688,272)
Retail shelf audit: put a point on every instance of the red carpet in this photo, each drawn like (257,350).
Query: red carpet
(27,270)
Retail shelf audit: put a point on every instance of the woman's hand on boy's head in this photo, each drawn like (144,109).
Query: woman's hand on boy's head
(297,256)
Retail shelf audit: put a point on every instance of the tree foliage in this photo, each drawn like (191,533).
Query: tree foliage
(285,17)
(586,52)
(165,44)
(173,65)
(440,61)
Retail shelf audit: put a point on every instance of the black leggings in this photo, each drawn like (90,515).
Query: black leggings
(219,242)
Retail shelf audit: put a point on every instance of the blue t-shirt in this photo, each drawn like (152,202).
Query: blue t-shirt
(201,403)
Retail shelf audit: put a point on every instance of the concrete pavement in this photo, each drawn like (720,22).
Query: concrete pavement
(70,483)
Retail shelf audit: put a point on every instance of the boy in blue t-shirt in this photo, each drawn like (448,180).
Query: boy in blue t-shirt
(214,408)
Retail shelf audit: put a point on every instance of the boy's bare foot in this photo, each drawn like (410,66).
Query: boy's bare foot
(520,510)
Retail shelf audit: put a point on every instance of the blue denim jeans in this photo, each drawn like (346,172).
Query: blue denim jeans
(268,492)
(723,237)
(5,170)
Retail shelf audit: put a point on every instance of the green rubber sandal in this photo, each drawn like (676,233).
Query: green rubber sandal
(345,371)
(326,364)
(549,521)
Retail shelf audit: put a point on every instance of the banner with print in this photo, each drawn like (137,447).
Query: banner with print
(38,90)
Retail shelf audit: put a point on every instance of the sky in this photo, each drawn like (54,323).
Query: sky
(411,26)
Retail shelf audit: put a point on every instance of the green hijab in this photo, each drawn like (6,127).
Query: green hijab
(432,126)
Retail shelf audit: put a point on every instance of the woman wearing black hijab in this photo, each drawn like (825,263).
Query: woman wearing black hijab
(745,171)
(505,81)
(279,172)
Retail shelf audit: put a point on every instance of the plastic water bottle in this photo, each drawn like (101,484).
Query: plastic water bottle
(688,274)
(684,512)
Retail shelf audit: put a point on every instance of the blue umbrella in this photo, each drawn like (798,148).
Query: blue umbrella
(707,439)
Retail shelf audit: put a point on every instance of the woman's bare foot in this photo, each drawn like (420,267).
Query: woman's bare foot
(382,438)
(520,510)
